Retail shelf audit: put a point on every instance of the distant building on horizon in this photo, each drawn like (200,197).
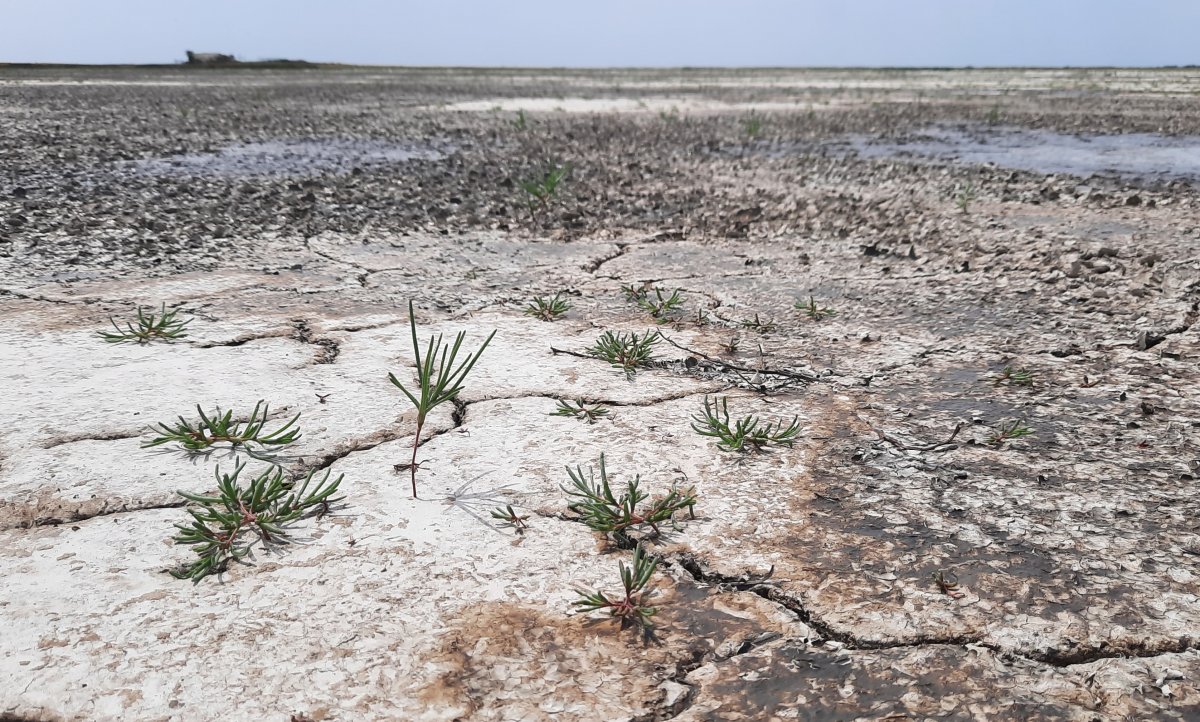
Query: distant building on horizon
(209,58)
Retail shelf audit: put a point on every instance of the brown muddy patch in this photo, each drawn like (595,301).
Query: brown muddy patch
(794,680)
(508,660)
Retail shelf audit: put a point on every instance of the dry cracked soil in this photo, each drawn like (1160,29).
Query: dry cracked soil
(990,511)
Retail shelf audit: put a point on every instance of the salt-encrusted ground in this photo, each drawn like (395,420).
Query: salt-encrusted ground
(293,215)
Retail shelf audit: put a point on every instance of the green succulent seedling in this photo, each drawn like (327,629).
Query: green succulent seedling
(626,351)
(507,515)
(747,434)
(147,327)
(1014,377)
(220,427)
(439,379)
(1007,431)
(760,325)
(634,293)
(635,581)
(813,311)
(753,127)
(660,307)
(547,309)
(580,410)
(225,526)
(542,192)
(521,122)
(964,197)
(603,511)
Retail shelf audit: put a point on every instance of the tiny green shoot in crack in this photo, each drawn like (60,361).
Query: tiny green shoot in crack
(747,434)
(148,326)
(547,309)
(438,379)
(580,409)
(600,509)
(626,351)
(220,427)
(521,122)
(225,527)
(813,311)
(1007,431)
(630,608)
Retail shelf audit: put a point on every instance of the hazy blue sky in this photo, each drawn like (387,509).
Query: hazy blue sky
(609,32)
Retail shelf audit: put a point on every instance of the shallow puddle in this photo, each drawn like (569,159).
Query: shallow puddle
(1133,155)
(288,158)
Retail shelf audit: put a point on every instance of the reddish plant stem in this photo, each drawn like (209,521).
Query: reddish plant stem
(413,466)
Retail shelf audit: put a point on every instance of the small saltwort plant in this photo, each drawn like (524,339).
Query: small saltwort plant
(580,410)
(222,428)
(510,517)
(629,608)
(599,508)
(626,351)
(165,326)
(760,325)
(1006,431)
(634,293)
(746,434)
(547,309)
(435,384)
(964,197)
(1014,377)
(521,122)
(753,126)
(813,311)
(661,307)
(542,192)
(226,526)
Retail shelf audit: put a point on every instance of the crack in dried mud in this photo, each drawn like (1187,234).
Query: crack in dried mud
(329,347)
(74,439)
(1054,658)
(594,265)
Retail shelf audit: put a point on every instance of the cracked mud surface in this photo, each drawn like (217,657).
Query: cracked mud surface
(293,215)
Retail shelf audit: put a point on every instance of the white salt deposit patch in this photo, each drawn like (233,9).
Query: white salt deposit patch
(618,105)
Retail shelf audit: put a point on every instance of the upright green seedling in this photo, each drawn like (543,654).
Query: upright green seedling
(747,434)
(148,327)
(753,127)
(630,608)
(223,428)
(224,527)
(813,311)
(436,385)
(964,197)
(547,309)
(602,510)
(542,192)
